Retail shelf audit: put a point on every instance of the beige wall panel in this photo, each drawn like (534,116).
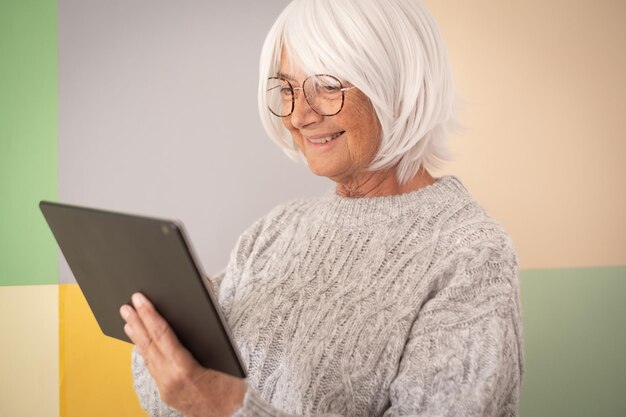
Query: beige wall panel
(29,353)
(544,145)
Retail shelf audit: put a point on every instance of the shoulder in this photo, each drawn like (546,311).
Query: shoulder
(474,231)
(471,247)
(475,269)
(466,227)
(259,235)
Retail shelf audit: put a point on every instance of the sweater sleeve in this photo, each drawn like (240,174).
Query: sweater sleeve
(147,391)
(463,356)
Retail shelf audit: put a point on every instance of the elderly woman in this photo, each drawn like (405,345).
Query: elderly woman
(396,294)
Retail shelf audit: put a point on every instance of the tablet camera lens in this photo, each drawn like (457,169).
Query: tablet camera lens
(165,229)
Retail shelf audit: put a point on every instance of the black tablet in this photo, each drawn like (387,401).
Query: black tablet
(113,255)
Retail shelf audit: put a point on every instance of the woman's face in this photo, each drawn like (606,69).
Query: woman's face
(355,129)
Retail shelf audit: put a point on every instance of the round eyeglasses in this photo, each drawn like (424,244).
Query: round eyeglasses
(323,92)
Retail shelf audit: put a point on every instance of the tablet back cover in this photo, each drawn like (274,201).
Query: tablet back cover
(114,255)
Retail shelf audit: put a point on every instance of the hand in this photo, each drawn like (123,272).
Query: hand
(183,383)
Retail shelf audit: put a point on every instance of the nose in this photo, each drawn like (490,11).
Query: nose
(303,114)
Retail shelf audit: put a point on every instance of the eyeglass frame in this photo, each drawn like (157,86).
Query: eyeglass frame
(293,95)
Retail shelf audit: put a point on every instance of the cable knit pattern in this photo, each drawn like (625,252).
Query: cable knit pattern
(386,306)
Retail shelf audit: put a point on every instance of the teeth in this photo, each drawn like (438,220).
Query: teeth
(326,139)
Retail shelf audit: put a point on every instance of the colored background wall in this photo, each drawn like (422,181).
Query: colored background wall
(28,122)
(544,144)
(157,114)
(574,342)
(28,258)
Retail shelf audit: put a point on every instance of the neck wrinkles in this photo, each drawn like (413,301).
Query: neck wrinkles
(382,184)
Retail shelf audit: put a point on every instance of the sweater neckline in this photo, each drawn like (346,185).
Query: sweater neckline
(358,211)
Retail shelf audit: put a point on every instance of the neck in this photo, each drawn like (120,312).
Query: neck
(383,183)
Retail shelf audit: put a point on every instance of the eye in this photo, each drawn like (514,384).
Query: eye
(285,92)
(330,89)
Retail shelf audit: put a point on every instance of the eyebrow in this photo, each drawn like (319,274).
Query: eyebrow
(286,76)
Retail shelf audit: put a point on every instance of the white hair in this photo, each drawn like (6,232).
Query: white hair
(392,51)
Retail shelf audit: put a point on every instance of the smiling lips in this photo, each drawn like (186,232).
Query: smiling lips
(319,140)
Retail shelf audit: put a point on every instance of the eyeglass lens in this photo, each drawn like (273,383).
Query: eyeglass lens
(322,92)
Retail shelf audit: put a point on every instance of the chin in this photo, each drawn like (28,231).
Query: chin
(321,170)
(319,173)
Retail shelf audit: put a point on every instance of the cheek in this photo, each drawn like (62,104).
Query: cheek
(295,134)
(366,147)
(287,124)
(366,138)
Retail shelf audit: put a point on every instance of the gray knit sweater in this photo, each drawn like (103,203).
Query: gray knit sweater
(389,306)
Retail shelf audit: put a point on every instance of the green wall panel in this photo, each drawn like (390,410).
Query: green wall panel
(28,139)
(575,342)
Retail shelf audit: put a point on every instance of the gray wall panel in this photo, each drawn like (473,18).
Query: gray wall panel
(157,115)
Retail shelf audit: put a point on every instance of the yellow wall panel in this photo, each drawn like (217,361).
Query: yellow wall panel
(544,142)
(95,377)
(29,353)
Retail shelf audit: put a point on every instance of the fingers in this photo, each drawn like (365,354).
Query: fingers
(182,382)
(148,329)
(136,330)
(158,329)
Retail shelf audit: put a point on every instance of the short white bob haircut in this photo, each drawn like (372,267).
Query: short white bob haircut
(393,52)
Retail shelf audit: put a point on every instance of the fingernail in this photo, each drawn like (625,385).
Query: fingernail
(128,330)
(137,300)
(125,311)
